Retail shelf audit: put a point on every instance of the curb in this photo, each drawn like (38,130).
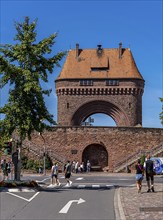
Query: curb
(119,213)
(20,189)
(90,187)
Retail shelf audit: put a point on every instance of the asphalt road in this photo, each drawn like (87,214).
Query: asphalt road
(114,180)
(74,204)
(65,203)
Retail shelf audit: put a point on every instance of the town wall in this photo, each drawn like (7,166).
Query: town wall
(69,143)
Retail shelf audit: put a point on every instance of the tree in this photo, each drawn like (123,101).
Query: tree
(161,114)
(25,66)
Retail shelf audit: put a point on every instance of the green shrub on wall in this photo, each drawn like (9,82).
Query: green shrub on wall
(49,162)
(142,159)
(31,164)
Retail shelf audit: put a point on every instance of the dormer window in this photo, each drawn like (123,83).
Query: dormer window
(99,69)
(99,64)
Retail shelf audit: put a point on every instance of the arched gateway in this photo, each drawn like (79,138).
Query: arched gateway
(99,81)
(96,154)
(99,106)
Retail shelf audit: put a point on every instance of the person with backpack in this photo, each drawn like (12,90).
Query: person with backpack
(149,170)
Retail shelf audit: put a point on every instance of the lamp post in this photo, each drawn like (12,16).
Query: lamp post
(44,160)
(44,155)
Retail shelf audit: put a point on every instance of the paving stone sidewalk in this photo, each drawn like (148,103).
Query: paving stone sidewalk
(142,206)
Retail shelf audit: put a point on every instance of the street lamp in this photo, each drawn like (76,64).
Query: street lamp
(44,155)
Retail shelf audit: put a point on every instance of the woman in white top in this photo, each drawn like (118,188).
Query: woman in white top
(54,174)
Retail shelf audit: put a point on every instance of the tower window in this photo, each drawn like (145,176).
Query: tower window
(68,105)
(86,82)
(112,82)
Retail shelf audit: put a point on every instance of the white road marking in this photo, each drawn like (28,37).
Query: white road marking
(81,186)
(109,186)
(61,177)
(79,178)
(67,206)
(20,197)
(20,190)
(43,180)
(95,186)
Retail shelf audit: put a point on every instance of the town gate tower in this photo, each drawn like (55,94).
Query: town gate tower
(100,81)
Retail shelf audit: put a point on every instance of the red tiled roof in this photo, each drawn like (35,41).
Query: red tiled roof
(89,65)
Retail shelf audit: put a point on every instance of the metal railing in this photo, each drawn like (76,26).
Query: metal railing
(134,157)
(36,150)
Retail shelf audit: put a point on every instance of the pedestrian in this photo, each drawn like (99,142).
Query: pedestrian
(149,170)
(88,166)
(139,175)
(4,167)
(9,169)
(68,173)
(82,167)
(54,175)
(73,166)
(40,170)
(76,167)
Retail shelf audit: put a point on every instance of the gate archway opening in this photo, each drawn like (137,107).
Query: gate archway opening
(99,119)
(96,154)
(99,106)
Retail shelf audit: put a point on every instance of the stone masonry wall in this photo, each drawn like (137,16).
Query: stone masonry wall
(119,142)
(127,96)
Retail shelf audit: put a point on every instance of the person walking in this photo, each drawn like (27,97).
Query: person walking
(88,166)
(4,167)
(54,175)
(149,170)
(68,174)
(76,167)
(139,175)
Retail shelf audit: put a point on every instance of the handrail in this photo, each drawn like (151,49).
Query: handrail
(153,152)
(34,148)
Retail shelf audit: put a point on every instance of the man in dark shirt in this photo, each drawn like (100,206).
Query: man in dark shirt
(68,173)
(148,166)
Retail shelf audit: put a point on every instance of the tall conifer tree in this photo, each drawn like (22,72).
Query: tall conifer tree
(24,65)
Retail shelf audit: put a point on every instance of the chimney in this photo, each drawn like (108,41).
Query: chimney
(77,50)
(99,50)
(120,50)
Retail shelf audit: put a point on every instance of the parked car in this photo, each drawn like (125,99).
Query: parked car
(158,164)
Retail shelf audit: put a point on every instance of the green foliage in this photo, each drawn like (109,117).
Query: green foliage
(24,160)
(161,114)
(142,159)
(31,164)
(24,66)
(48,162)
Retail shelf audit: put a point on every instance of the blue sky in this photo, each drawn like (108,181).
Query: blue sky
(137,24)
